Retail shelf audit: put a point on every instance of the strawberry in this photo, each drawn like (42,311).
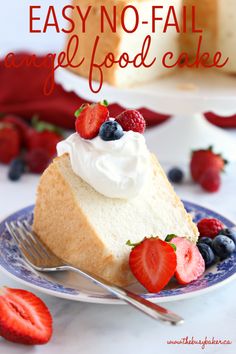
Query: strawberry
(46,140)
(153,263)
(24,318)
(43,135)
(210,180)
(37,160)
(132,120)
(9,142)
(202,160)
(90,118)
(190,263)
(210,227)
(19,124)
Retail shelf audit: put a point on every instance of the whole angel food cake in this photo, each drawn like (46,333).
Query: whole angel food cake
(216,18)
(104,189)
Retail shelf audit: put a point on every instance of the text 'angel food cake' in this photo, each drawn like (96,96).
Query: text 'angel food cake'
(104,189)
(214,20)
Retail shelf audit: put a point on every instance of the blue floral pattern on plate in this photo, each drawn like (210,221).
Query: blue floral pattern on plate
(12,263)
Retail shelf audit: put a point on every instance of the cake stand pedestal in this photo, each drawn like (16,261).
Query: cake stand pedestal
(186,95)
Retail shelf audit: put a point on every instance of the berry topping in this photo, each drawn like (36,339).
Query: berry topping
(202,160)
(9,142)
(153,263)
(111,130)
(16,169)
(210,227)
(223,246)
(24,318)
(206,240)
(207,254)
(176,175)
(132,120)
(231,233)
(210,180)
(190,264)
(37,160)
(90,118)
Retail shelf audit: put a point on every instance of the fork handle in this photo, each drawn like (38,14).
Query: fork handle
(149,308)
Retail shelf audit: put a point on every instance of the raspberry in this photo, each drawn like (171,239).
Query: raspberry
(37,160)
(210,227)
(132,120)
(211,180)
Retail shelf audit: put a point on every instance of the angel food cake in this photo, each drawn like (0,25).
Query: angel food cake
(104,189)
(215,18)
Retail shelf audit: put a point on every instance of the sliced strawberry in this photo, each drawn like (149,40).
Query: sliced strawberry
(190,264)
(43,135)
(89,119)
(24,318)
(9,142)
(153,263)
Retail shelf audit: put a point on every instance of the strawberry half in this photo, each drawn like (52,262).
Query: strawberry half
(202,160)
(153,263)
(24,318)
(190,263)
(90,118)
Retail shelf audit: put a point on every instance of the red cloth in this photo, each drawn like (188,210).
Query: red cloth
(21,93)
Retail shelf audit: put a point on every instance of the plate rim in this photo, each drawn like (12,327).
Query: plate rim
(113,301)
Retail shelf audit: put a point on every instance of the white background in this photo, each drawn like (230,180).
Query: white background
(14,27)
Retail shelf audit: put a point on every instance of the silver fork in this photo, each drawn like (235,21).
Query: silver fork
(39,257)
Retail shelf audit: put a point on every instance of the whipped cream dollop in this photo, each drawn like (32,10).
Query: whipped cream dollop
(116,169)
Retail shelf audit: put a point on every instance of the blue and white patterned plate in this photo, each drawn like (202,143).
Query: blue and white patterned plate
(71,286)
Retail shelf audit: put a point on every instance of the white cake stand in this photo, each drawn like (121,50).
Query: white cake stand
(186,95)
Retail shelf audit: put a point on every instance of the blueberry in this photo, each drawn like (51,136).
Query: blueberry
(207,253)
(16,169)
(111,130)
(231,233)
(206,240)
(176,175)
(223,246)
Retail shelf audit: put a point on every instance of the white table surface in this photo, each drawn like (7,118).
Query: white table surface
(105,329)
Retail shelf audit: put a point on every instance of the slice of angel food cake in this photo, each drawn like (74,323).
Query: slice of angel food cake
(104,189)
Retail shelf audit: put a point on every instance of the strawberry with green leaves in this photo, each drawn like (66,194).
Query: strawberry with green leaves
(153,263)
(89,118)
(43,136)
